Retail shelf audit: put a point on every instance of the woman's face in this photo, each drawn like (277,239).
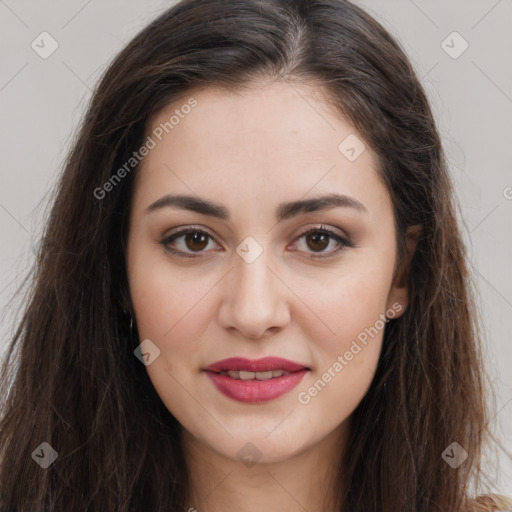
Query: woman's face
(251,282)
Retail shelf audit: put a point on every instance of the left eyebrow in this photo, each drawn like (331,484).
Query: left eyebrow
(288,210)
(284,211)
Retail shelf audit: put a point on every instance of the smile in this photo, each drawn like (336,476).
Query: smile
(234,374)
(256,381)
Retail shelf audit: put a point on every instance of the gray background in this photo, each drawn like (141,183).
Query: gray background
(42,100)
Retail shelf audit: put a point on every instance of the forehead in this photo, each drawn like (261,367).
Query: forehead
(264,120)
(276,139)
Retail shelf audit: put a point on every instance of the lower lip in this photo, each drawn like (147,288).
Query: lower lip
(254,391)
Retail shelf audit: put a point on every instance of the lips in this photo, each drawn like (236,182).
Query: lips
(255,381)
(265,364)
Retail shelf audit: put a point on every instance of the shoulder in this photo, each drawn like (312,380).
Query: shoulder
(491,503)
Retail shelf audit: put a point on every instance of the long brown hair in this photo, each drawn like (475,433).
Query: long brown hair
(70,377)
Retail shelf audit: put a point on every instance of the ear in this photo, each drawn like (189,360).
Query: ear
(398,298)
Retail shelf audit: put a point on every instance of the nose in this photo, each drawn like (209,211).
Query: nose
(255,301)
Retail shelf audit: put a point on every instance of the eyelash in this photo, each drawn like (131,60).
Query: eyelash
(321,230)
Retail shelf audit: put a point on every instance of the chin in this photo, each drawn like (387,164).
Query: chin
(252,447)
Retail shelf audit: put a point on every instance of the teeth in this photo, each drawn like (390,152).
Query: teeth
(263,375)
(243,375)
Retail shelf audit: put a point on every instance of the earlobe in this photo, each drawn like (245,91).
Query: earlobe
(398,298)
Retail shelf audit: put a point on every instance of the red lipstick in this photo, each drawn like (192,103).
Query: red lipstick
(255,381)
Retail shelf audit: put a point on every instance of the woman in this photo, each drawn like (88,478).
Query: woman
(252,291)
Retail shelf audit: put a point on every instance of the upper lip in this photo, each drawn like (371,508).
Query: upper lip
(256,365)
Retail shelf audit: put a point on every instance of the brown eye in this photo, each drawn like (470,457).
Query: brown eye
(318,241)
(196,241)
(188,243)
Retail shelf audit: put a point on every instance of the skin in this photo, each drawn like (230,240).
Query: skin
(251,152)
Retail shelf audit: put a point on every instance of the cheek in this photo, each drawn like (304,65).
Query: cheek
(173,307)
(171,312)
(344,361)
(165,299)
(346,340)
(346,307)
